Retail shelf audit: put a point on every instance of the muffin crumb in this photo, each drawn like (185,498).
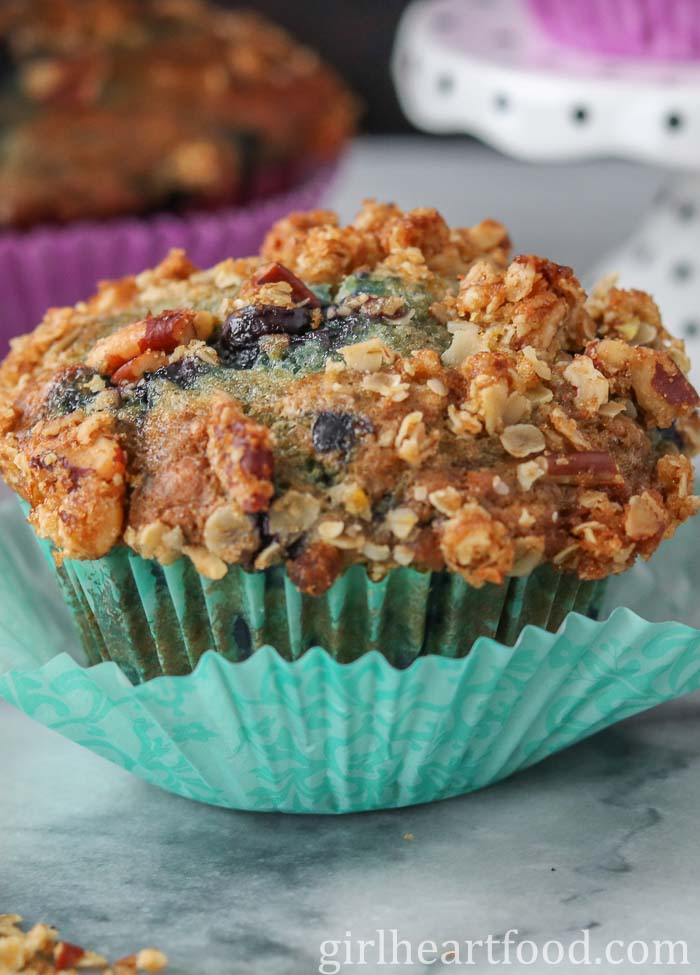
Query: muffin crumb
(40,951)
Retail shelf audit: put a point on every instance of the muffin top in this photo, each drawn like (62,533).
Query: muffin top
(130,106)
(392,392)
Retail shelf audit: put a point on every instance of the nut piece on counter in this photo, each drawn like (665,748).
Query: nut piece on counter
(41,951)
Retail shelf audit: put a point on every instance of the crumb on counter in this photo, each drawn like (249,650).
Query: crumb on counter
(41,951)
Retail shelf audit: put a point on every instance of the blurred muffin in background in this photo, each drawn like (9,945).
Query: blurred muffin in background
(128,127)
(116,107)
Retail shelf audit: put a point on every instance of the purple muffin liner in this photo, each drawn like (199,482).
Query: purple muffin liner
(663,29)
(50,266)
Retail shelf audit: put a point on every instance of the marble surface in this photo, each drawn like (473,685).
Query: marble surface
(601,837)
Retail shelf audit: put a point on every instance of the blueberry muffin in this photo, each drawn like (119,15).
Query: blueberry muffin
(115,107)
(388,435)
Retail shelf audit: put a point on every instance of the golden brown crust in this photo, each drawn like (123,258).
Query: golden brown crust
(315,247)
(214,106)
(72,472)
(429,403)
(240,454)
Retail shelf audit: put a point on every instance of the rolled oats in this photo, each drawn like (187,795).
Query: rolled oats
(529,472)
(156,541)
(292,514)
(376,553)
(437,386)
(367,356)
(386,384)
(522,439)
(206,563)
(403,555)
(467,340)
(401,521)
(412,438)
(462,422)
(645,517)
(229,534)
(329,531)
(447,500)
(529,553)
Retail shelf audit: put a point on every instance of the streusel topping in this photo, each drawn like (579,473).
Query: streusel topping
(393,392)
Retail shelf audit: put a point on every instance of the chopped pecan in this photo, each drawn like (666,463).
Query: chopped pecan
(66,955)
(240,453)
(274,272)
(164,332)
(156,333)
(673,386)
(661,389)
(40,951)
(316,568)
(586,465)
(75,479)
(135,368)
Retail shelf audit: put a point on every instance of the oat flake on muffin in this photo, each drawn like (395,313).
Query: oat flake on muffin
(393,393)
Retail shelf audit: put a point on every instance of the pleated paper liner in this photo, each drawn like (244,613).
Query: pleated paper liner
(49,266)
(316,735)
(157,620)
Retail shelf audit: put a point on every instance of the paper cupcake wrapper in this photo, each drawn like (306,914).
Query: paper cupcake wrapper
(314,735)
(157,620)
(51,266)
(665,29)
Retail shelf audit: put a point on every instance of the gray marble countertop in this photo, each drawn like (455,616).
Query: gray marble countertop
(601,837)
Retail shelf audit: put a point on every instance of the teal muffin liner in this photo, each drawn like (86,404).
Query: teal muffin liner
(158,620)
(318,736)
